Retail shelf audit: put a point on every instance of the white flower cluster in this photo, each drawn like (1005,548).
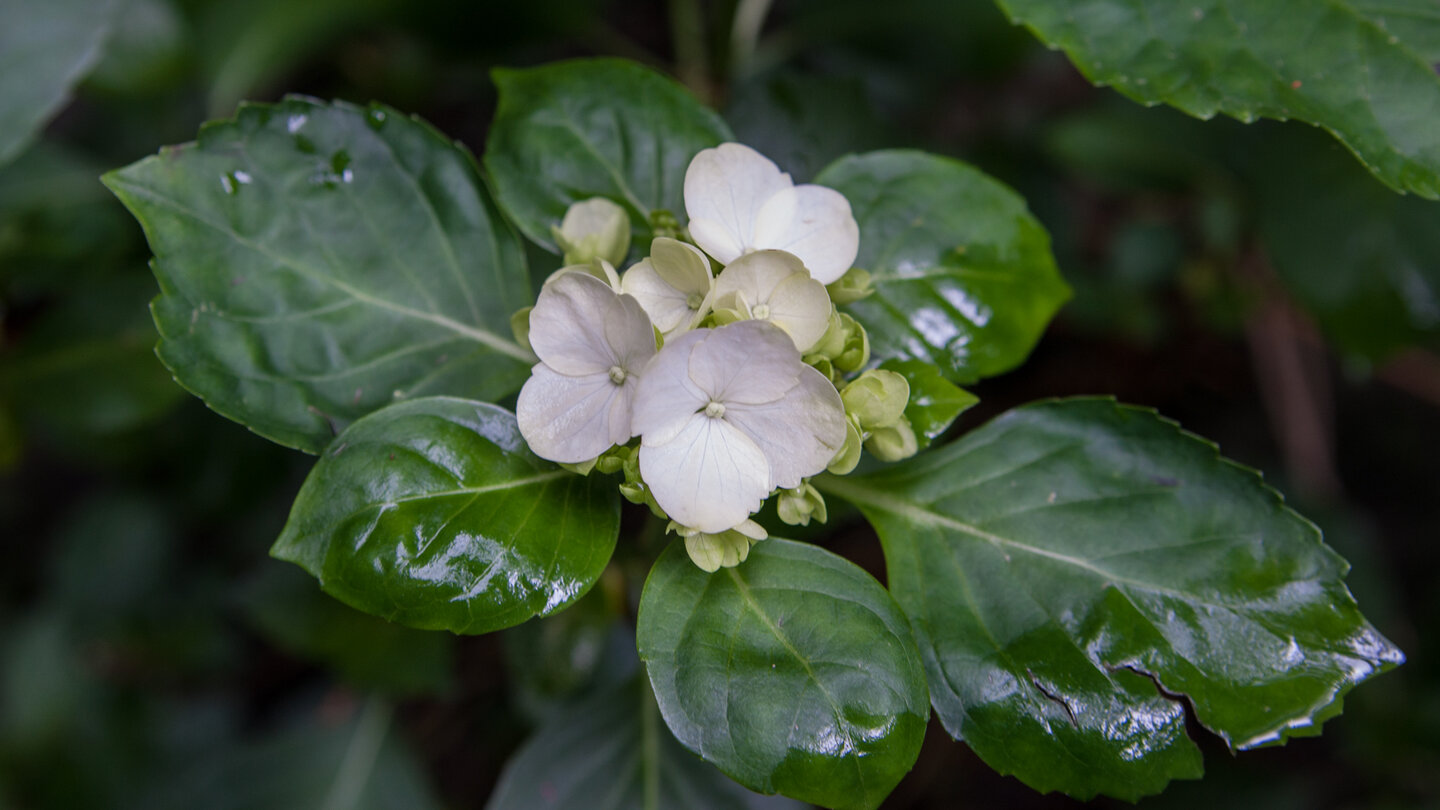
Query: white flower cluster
(716,374)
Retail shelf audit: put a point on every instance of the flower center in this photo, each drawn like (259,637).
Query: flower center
(617,375)
(761,312)
(695,300)
(715,410)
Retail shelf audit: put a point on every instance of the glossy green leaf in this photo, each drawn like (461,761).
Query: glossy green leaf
(46,46)
(434,514)
(570,131)
(963,273)
(1364,261)
(804,121)
(611,750)
(934,402)
(287,608)
(793,673)
(317,261)
(1338,64)
(1076,569)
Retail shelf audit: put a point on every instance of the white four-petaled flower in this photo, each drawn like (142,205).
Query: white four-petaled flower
(673,285)
(593,344)
(772,285)
(727,415)
(739,201)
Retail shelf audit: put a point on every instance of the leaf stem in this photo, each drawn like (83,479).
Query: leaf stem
(360,755)
(692,56)
(745,34)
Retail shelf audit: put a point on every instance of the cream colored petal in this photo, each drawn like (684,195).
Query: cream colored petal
(800,433)
(725,188)
(756,275)
(814,223)
(800,306)
(667,307)
(682,266)
(710,476)
(573,418)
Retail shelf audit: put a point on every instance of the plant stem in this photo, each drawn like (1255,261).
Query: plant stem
(745,34)
(692,57)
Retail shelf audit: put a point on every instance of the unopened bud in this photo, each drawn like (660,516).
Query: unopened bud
(877,398)
(851,287)
(832,343)
(520,327)
(857,346)
(893,443)
(711,552)
(799,506)
(849,454)
(593,229)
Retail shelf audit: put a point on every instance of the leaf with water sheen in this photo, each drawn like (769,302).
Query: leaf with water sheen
(1076,568)
(934,402)
(434,514)
(586,128)
(612,751)
(963,274)
(793,673)
(1362,70)
(46,46)
(317,261)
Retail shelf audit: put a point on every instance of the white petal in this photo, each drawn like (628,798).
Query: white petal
(756,275)
(580,326)
(800,433)
(667,307)
(800,306)
(746,362)
(725,188)
(710,476)
(813,222)
(667,397)
(682,266)
(573,418)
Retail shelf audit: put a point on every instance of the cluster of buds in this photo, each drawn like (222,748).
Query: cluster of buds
(722,352)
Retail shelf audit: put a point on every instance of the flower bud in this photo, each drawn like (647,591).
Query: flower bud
(711,552)
(849,454)
(579,467)
(520,327)
(798,506)
(877,398)
(832,343)
(593,229)
(851,287)
(893,443)
(857,346)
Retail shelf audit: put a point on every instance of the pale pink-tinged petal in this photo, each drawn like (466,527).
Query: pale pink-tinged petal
(814,223)
(573,418)
(725,188)
(667,307)
(800,432)
(709,476)
(581,326)
(745,362)
(667,397)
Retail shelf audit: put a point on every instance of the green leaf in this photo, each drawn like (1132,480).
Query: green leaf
(317,261)
(1364,261)
(611,750)
(1337,64)
(963,273)
(1075,569)
(287,609)
(934,402)
(434,514)
(793,673)
(46,46)
(586,128)
(803,122)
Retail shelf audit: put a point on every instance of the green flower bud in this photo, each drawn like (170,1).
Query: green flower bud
(593,229)
(664,223)
(579,467)
(711,552)
(877,398)
(798,506)
(893,443)
(849,454)
(857,346)
(520,327)
(613,460)
(822,364)
(832,343)
(852,286)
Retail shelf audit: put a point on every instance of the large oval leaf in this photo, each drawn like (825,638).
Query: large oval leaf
(1338,64)
(611,750)
(433,513)
(1075,568)
(594,128)
(963,274)
(317,261)
(793,673)
(46,46)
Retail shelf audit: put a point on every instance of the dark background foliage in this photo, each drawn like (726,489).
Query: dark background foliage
(1252,282)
